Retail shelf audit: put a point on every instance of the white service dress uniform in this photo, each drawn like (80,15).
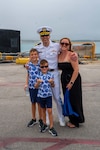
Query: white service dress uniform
(50,53)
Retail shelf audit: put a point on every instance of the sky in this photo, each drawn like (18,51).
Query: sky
(76,19)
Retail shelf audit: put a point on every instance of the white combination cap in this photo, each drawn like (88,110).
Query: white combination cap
(44,30)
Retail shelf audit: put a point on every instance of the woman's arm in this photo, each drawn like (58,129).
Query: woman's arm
(75,72)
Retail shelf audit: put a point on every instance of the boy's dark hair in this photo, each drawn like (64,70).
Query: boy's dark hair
(33,50)
(43,61)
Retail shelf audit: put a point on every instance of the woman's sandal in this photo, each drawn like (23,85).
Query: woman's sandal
(70,125)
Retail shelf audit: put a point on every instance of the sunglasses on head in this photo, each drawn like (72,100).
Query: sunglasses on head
(43,66)
(44,35)
(66,44)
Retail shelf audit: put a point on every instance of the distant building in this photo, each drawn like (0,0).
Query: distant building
(9,41)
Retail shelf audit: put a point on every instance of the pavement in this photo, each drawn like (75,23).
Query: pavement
(15,113)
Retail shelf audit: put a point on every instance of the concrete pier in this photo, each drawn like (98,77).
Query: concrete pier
(15,113)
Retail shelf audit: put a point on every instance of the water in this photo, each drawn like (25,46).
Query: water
(26,45)
(97,47)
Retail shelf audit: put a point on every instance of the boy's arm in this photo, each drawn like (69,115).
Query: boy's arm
(26,83)
(51,81)
(37,83)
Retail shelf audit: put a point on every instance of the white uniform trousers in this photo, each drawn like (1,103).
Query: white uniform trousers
(56,94)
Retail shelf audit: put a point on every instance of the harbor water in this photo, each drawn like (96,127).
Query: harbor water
(26,45)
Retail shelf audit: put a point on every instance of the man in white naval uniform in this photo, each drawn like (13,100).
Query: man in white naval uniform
(49,50)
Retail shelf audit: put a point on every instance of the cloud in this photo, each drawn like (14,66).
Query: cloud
(75,19)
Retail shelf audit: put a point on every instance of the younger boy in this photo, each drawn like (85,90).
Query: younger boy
(32,72)
(44,83)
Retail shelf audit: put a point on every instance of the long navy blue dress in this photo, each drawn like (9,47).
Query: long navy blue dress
(75,94)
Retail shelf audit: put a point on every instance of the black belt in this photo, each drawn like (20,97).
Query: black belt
(51,70)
